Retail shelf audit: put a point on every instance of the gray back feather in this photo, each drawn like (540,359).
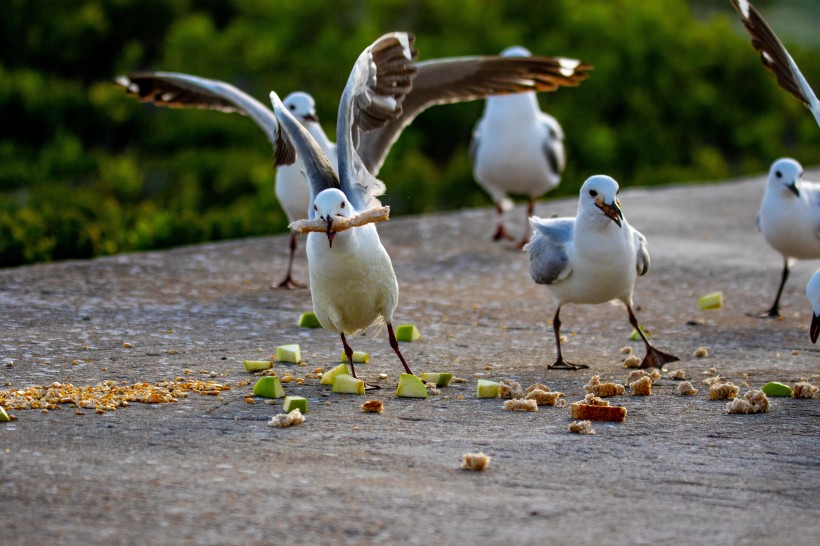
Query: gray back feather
(547,250)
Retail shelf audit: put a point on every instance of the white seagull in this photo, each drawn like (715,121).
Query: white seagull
(517,148)
(790,219)
(439,81)
(813,293)
(775,57)
(592,258)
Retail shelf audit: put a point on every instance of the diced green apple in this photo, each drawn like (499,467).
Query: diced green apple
(487,388)
(407,332)
(308,320)
(440,379)
(269,387)
(635,336)
(4,417)
(292,402)
(359,357)
(327,377)
(776,389)
(289,353)
(257,365)
(711,301)
(348,384)
(411,386)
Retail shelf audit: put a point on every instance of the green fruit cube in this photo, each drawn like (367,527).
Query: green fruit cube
(635,336)
(487,388)
(269,387)
(257,365)
(293,402)
(308,320)
(289,353)
(711,301)
(4,417)
(776,389)
(411,386)
(348,384)
(407,332)
(359,357)
(440,379)
(327,377)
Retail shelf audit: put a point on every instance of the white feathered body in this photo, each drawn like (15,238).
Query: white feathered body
(791,223)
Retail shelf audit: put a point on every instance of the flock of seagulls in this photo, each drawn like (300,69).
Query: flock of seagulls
(593,258)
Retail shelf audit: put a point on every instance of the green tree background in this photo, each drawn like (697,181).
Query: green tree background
(677,95)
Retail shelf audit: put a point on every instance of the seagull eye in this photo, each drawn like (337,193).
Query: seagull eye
(593,193)
(778,174)
(292,107)
(343,204)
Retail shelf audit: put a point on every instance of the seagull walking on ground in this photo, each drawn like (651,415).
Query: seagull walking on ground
(775,57)
(517,148)
(813,293)
(438,81)
(790,219)
(592,258)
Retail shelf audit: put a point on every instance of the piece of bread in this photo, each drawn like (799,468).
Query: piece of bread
(539,386)
(341,223)
(581,427)
(723,391)
(373,406)
(592,408)
(475,461)
(520,404)
(632,361)
(752,402)
(283,420)
(804,389)
(642,387)
(686,389)
(546,398)
(508,388)
(603,389)
(680,375)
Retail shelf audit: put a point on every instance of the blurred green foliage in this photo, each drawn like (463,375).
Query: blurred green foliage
(85,170)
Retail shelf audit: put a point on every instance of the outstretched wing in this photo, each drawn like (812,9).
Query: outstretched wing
(547,250)
(379,82)
(460,79)
(178,90)
(775,57)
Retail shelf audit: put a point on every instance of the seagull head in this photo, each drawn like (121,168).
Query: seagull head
(601,191)
(302,106)
(786,173)
(329,205)
(516,51)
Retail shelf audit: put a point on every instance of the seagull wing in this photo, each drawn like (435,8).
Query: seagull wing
(547,250)
(460,79)
(177,90)
(379,82)
(775,57)
(642,252)
(553,143)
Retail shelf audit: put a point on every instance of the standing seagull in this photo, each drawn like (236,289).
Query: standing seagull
(775,57)
(592,258)
(790,219)
(439,81)
(516,148)
(813,293)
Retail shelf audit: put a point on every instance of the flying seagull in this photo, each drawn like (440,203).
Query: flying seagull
(789,218)
(516,148)
(438,81)
(592,258)
(775,57)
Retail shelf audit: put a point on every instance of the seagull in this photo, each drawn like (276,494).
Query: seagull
(592,258)
(813,293)
(353,284)
(775,57)
(516,148)
(438,81)
(789,218)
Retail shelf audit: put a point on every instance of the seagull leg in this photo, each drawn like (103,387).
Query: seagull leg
(395,344)
(774,311)
(560,363)
(527,229)
(349,353)
(654,358)
(288,281)
(500,232)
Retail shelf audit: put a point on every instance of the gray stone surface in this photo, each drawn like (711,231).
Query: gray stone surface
(208,470)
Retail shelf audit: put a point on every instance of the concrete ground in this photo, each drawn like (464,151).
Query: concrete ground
(208,470)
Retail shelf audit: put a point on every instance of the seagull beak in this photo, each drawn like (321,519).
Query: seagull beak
(613,211)
(814,331)
(793,187)
(311,117)
(329,231)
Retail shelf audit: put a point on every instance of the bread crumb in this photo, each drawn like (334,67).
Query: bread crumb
(686,389)
(475,461)
(432,388)
(581,427)
(626,350)
(752,402)
(723,391)
(458,380)
(632,362)
(520,404)
(701,352)
(804,389)
(592,408)
(642,387)
(538,386)
(283,420)
(373,406)
(508,388)
(603,390)
(545,398)
(679,375)
(593,400)
(712,380)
